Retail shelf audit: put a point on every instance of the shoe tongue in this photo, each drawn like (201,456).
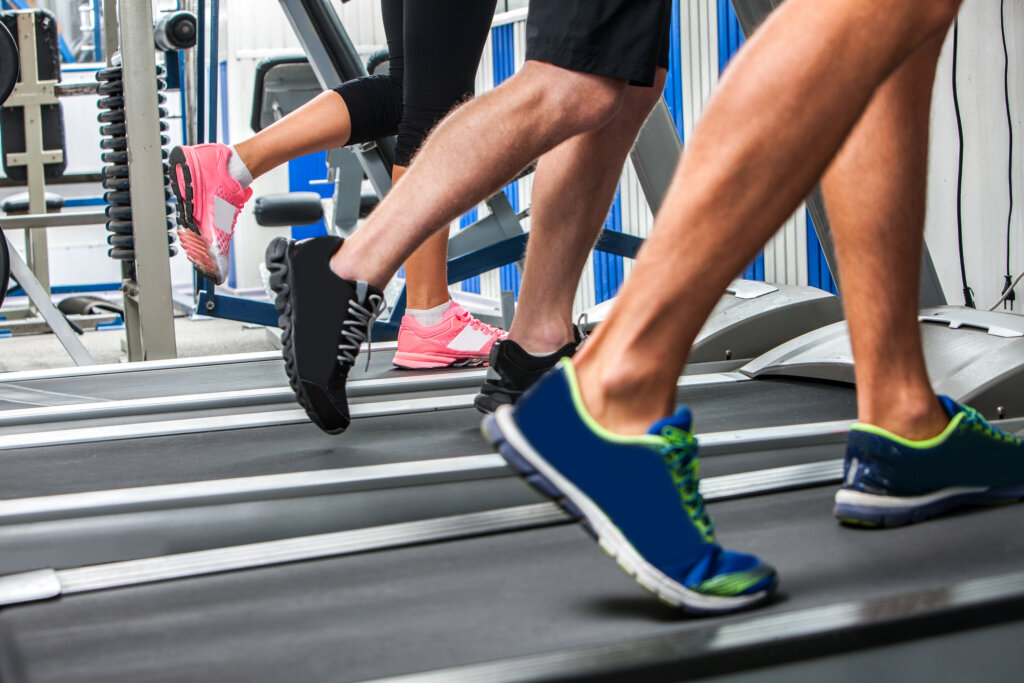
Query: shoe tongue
(951,407)
(682,420)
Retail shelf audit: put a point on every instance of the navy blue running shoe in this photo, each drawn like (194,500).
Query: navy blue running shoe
(638,497)
(324,320)
(891,481)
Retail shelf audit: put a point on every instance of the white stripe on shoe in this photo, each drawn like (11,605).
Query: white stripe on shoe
(224,215)
(470,339)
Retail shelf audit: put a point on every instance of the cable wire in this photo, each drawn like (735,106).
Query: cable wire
(968,292)
(1008,292)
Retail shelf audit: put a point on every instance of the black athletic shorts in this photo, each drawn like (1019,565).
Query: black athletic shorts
(618,38)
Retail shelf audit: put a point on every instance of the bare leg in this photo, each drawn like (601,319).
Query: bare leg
(573,189)
(767,136)
(426,271)
(878,219)
(322,123)
(471,154)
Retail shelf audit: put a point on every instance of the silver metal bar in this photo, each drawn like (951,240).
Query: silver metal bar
(120,368)
(250,397)
(166,364)
(142,123)
(351,479)
(785,436)
(773,480)
(74,89)
(205,562)
(264,487)
(35,585)
(54,220)
(230,399)
(54,318)
(222,423)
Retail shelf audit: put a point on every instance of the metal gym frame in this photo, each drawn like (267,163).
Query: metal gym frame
(31,94)
(146,282)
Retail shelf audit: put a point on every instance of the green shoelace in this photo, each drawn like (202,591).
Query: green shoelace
(977,423)
(680,455)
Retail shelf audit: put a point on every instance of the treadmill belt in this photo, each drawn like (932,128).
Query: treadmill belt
(74,468)
(445,604)
(194,380)
(237,453)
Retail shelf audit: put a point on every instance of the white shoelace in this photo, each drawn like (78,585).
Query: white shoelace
(357,327)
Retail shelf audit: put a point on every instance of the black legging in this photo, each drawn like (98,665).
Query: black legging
(443,40)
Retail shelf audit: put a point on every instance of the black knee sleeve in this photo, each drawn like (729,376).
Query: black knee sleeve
(374,106)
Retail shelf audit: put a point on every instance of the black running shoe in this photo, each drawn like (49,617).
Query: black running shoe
(324,320)
(512,370)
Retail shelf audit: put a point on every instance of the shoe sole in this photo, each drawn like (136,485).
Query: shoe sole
(487,403)
(855,508)
(510,444)
(185,216)
(422,361)
(280,282)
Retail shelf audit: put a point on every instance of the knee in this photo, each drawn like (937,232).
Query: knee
(583,102)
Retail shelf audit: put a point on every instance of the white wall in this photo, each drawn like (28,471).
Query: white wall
(986,141)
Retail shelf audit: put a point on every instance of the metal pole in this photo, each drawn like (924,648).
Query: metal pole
(97,31)
(35,156)
(132,325)
(214,79)
(189,82)
(146,173)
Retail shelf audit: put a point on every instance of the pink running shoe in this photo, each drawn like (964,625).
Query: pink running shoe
(209,200)
(459,340)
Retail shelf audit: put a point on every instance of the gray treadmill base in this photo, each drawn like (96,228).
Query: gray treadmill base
(750,319)
(976,357)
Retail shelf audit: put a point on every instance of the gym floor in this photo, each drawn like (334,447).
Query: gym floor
(201,337)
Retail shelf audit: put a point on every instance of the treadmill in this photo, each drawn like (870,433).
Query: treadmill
(270,552)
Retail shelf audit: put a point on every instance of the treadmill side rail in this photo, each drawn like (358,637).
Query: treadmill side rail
(41,584)
(975,357)
(750,319)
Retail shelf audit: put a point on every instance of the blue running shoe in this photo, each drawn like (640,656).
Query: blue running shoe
(638,497)
(891,481)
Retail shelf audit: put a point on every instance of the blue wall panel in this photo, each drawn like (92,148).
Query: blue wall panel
(674,82)
(608,268)
(473,283)
(503,47)
(818,273)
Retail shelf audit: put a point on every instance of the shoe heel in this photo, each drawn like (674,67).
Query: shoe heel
(185,214)
(277,264)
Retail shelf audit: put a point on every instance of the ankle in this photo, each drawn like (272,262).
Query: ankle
(424,301)
(541,340)
(610,396)
(916,418)
(347,265)
(244,154)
